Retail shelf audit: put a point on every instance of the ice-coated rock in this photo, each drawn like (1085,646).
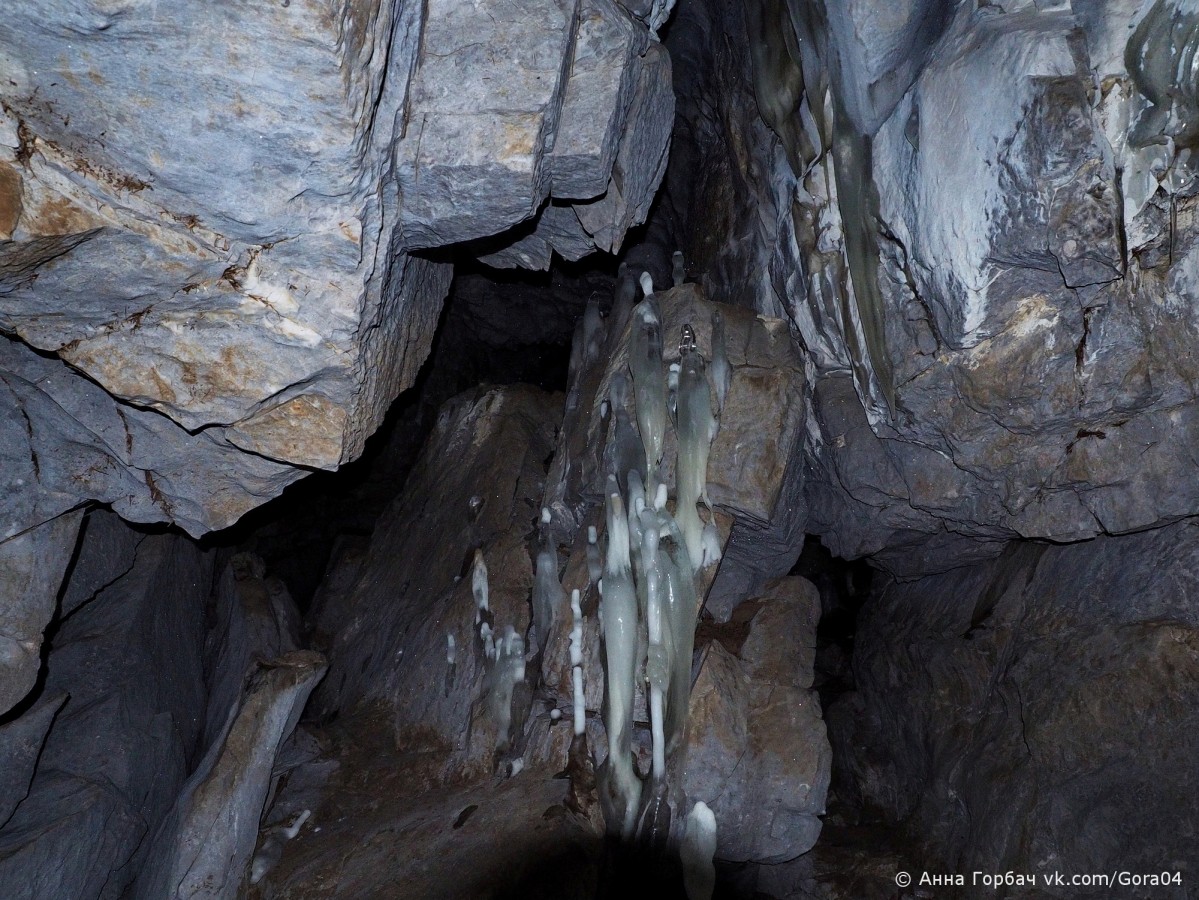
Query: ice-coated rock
(982,222)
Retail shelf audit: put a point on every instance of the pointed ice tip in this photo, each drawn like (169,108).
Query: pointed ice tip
(647,283)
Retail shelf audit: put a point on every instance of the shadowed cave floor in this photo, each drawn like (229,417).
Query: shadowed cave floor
(383,829)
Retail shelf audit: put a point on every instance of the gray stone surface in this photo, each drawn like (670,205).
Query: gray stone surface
(131,662)
(1036,712)
(21,742)
(64,439)
(610,149)
(254,620)
(31,569)
(107,550)
(225,259)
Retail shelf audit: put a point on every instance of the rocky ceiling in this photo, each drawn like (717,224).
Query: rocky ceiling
(226,234)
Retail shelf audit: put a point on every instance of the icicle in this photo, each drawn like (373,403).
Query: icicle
(657,667)
(576,662)
(451,651)
(647,284)
(625,451)
(722,372)
(697,427)
(620,641)
(623,302)
(710,551)
(672,393)
(593,332)
(576,631)
(548,595)
(649,384)
(478,584)
(595,566)
(508,670)
(681,605)
(678,270)
(580,710)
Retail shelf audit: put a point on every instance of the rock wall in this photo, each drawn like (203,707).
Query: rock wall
(1035,712)
(156,713)
(215,226)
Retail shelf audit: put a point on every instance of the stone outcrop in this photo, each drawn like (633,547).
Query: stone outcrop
(231,262)
(1035,712)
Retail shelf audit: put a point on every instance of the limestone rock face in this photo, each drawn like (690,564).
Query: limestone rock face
(131,665)
(1035,711)
(208,215)
(982,222)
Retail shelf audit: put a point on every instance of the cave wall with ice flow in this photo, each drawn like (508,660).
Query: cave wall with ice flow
(980,220)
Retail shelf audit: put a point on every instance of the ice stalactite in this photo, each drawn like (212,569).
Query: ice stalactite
(649,385)
(697,428)
(722,372)
(621,787)
(625,452)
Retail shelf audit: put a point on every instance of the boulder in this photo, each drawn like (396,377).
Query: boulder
(757,753)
